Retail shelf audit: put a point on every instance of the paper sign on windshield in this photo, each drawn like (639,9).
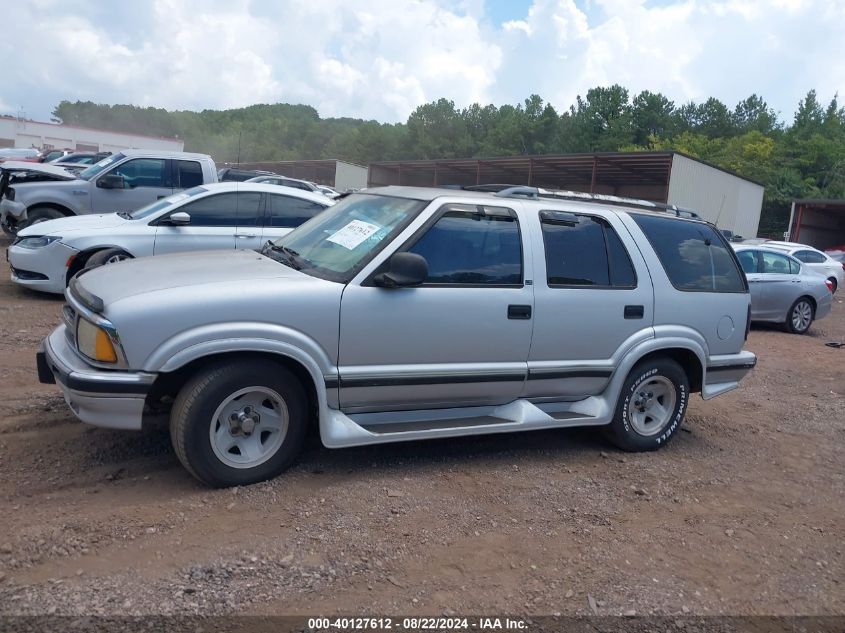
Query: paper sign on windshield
(353,234)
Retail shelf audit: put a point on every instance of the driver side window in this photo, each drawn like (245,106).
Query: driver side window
(142,172)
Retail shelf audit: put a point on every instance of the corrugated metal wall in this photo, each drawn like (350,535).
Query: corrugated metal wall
(731,202)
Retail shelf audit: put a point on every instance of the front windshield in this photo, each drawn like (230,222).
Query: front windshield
(96,168)
(169,201)
(338,242)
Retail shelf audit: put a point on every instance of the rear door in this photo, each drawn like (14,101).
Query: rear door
(214,222)
(285,213)
(145,180)
(782,285)
(592,294)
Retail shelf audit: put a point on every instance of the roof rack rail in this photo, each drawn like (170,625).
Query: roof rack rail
(536,193)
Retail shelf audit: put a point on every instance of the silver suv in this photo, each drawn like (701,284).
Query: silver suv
(411,313)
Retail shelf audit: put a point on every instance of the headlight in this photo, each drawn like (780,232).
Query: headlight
(95,342)
(36,242)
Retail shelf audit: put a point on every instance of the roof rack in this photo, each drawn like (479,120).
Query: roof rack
(536,193)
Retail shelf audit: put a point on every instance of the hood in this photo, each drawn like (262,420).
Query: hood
(46,169)
(63,226)
(134,277)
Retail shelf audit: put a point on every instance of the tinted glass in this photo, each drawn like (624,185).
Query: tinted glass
(774,263)
(224,209)
(693,254)
(290,212)
(159,205)
(588,253)
(143,172)
(188,174)
(468,248)
(809,257)
(748,261)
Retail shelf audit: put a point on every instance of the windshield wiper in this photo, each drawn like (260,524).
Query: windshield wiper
(289,257)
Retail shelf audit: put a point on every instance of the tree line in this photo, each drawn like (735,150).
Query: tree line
(802,157)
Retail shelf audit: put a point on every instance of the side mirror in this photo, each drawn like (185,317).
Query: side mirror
(180,218)
(403,270)
(111,181)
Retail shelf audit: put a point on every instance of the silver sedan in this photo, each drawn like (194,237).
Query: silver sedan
(783,290)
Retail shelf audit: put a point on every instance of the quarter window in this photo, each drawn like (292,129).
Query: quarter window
(188,174)
(290,212)
(809,257)
(472,247)
(693,254)
(585,251)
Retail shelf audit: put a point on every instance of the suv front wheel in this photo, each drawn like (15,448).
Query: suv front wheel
(651,407)
(239,423)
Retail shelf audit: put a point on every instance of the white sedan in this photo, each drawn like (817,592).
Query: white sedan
(820,262)
(44,256)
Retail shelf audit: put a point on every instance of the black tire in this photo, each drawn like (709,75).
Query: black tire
(834,285)
(194,411)
(107,256)
(800,326)
(37,215)
(645,378)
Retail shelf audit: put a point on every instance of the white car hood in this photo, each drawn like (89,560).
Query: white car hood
(63,226)
(114,282)
(60,173)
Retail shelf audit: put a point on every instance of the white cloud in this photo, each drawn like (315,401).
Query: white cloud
(381,58)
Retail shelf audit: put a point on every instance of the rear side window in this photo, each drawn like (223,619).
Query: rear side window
(290,212)
(585,251)
(188,174)
(775,264)
(474,249)
(810,257)
(694,255)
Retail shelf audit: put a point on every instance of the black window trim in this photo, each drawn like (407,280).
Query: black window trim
(720,236)
(435,217)
(605,223)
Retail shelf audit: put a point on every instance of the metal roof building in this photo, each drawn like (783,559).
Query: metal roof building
(720,196)
(334,173)
(819,223)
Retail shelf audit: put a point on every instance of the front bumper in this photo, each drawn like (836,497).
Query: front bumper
(111,399)
(41,268)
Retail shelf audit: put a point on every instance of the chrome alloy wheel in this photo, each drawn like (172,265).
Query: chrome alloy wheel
(249,427)
(802,315)
(652,405)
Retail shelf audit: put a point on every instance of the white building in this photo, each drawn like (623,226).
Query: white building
(25,133)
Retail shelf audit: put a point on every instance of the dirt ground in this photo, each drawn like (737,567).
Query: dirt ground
(742,513)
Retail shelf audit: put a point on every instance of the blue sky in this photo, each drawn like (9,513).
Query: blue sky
(380,59)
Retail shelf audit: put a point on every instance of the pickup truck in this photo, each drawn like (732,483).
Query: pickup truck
(124,181)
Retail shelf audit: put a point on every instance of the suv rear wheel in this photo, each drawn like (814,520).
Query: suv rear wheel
(651,407)
(239,423)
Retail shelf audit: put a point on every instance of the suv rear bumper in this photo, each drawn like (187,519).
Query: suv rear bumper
(112,399)
(725,371)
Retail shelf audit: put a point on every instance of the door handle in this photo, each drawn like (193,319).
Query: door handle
(634,312)
(243,236)
(520,312)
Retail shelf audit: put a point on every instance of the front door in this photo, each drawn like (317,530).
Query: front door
(460,339)
(593,293)
(145,180)
(215,220)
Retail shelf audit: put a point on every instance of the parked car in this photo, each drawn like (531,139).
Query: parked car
(124,181)
(241,175)
(814,259)
(80,158)
(284,181)
(50,155)
(328,191)
(17,153)
(783,289)
(410,313)
(215,216)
